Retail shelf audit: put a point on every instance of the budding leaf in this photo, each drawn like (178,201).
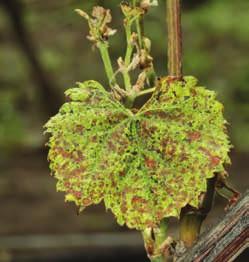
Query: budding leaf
(148,3)
(131,13)
(98,24)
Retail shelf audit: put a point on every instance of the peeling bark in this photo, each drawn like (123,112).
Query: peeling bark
(226,240)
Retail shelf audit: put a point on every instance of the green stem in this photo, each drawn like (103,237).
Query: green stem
(151,76)
(135,2)
(128,55)
(129,45)
(157,259)
(190,226)
(161,234)
(103,48)
(191,219)
(146,92)
(139,26)
(155,242)
(130,99)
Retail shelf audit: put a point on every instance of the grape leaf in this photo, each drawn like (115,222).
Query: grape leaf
(144,166)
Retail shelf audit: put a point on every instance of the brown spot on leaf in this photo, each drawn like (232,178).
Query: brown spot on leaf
(194,136)
(122,173)
(215,160)
(137,199)
(79,129)
(150,163)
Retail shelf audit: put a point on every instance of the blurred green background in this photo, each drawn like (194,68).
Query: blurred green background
(43,51)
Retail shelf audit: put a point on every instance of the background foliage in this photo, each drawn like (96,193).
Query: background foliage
(215,50)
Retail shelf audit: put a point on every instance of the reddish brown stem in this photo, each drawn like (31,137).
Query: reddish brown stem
(174,38)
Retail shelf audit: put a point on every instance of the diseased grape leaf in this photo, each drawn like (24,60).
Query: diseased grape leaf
(144,166)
